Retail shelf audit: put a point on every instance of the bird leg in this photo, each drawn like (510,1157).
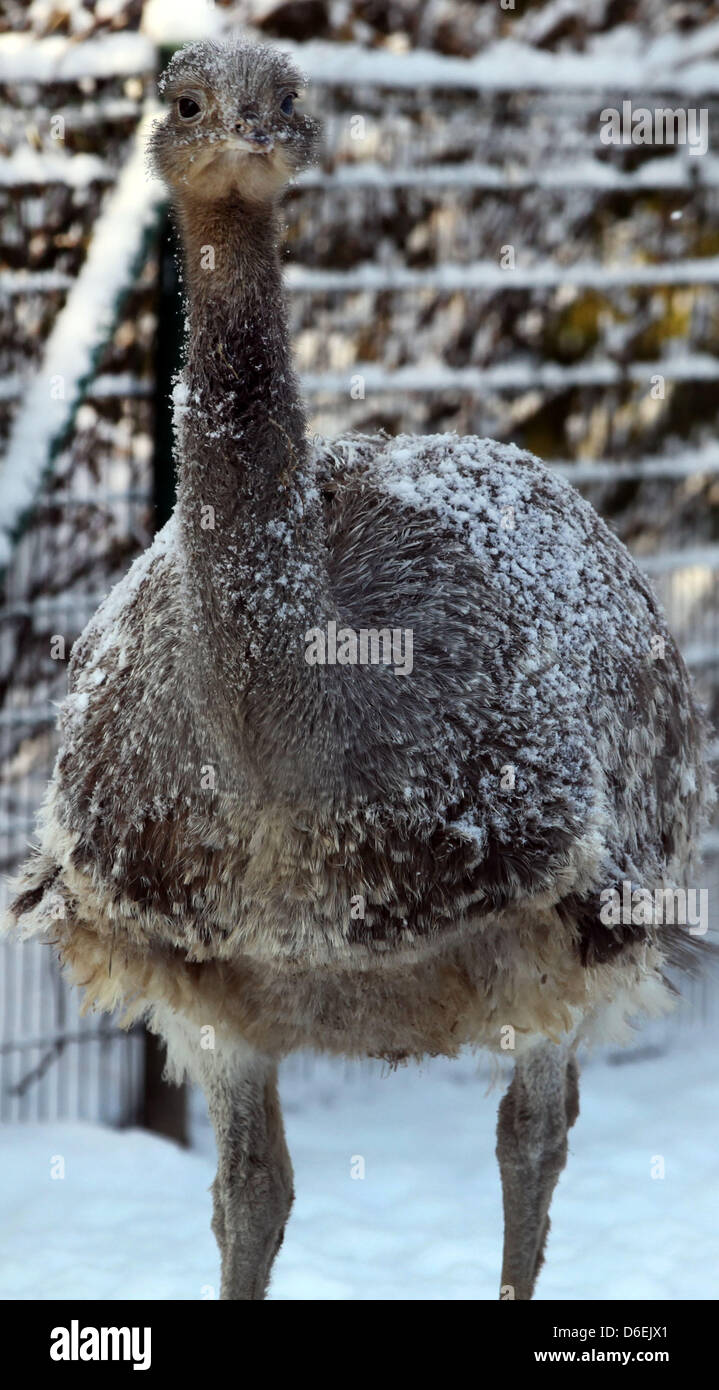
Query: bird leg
(253,1190)
(539,1108)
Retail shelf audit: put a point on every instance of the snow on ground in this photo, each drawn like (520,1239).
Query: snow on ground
(130,1219)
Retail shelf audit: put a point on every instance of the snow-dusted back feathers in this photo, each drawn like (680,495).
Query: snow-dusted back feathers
(531,760)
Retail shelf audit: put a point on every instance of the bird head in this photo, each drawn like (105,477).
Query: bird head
(232,125)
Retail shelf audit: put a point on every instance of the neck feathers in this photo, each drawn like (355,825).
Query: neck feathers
(250,514)
(243,389)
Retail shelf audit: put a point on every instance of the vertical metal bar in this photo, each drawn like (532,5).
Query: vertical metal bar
(165,1107)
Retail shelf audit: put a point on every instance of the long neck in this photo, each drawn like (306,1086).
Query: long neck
(246,418)
(252,537)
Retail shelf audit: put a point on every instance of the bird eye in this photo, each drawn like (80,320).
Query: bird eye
(188,108)
(288,105)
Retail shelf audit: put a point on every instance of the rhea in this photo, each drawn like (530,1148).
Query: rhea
(257,852)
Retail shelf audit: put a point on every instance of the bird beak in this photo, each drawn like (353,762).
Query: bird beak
(255,142)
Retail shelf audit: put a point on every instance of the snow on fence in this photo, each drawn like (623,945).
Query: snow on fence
(674,173)
(670,64)
(78,335)
(488,275)
(58,60)
(90,516)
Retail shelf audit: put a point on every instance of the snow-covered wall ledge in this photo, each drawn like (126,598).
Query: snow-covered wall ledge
(173,22)
(613,62)
(24,58)
(616,61)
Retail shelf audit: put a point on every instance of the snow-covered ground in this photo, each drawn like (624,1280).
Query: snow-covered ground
(130,1218)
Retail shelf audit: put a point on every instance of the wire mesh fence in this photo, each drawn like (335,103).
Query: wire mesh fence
(94,515)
